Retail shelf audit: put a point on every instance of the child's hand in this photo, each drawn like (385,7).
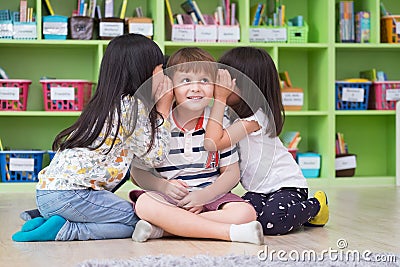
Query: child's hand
(163,96)
(224,85)
(176,189)
(193,200)
(196,210)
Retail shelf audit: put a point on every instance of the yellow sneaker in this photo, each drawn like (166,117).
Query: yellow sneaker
(322,216)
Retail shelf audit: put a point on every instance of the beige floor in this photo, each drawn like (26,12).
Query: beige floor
(367,218)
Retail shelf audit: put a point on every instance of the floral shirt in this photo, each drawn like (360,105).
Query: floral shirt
(83,168)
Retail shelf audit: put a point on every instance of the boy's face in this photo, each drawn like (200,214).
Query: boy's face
(193,90)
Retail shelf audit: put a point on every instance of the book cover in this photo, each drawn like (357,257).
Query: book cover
(49,7)
(169,12)
(23,8)
(363,26)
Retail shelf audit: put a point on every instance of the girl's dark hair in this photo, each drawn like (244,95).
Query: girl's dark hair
(128,61)
(257,65)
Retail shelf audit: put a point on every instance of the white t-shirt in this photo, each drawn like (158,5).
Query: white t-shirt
(265,163)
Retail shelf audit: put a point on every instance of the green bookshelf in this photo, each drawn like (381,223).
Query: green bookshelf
(313,66)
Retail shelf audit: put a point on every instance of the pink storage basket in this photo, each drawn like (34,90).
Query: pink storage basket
(385,95)
(66,95)
(13,94)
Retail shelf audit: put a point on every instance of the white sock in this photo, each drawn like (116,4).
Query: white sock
(251,232)
(145,230)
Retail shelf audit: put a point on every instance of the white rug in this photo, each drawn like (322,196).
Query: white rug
(231,261)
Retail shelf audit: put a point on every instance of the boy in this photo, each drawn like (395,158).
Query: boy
(194,200)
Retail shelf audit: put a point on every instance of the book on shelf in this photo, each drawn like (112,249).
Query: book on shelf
(284,76)
(49,7)
(345,13)
(290,139)
(363,26)
(169,13)
(190,6)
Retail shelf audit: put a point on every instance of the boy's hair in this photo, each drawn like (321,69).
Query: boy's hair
(128,62)
(194,59)
(257,65)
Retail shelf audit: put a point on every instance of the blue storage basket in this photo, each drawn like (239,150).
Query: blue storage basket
(306,169)
(6,26)
(55,27)
(51,154)
(24,30)
(350,105)
(23,171)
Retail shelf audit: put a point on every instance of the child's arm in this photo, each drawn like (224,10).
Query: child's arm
(175,189)
(216,138)
(229,178)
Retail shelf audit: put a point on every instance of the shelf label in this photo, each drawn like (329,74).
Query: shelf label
(55,28)
(353,94)
(268,34)
(228,33)
(392,94)
(111,29)
(9,93)
(206,33)
(62,93)
(145,29)
(182,33)
(6,29)
(397,27)
(25,31)
(22,164)
(292,99)
(345,163)
(309,162)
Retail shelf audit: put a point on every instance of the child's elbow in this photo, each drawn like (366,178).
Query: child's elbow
(210,145)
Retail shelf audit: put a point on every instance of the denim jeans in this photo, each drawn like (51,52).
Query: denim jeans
(90,214)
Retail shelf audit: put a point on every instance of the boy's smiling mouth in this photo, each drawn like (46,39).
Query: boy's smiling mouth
(195,97)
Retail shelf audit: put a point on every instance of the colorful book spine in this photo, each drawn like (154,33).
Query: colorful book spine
(363,27)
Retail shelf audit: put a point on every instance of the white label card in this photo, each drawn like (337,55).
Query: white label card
(206,33)
(397,27)
(309,162)
(392,94)
(56,28)
(9,93)
(25,31)
(268,35)
(141,28)
(21,164)
(344,163)
(111,29)
(62,93)
(183,34)
(292,99)
(228,33)
(353,94)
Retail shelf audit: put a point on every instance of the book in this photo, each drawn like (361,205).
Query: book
(49,7)
(233,14)
(284,76)
(169,12)
(109,8)
(123,9)
(255,14)
(369,75)
(290,138)
(363,26)
(190,6)
(23,10)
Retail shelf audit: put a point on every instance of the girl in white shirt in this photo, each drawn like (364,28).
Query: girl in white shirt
(273,180)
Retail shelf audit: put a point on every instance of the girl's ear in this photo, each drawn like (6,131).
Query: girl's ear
(157,69)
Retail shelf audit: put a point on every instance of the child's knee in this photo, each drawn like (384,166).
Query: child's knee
(143,206)
(244,212)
